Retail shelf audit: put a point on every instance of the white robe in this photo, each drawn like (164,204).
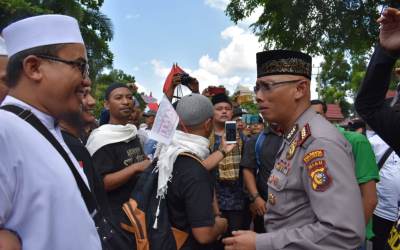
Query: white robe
(39,197)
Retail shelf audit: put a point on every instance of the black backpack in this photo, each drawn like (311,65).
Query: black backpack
(148,216)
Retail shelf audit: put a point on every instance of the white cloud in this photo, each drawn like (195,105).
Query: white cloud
(141,88)
(235,64)
(160,70)
(217,4)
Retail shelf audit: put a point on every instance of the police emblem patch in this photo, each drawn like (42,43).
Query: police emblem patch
(319,153)
(320,178)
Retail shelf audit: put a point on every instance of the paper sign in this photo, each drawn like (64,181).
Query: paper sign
(165,123)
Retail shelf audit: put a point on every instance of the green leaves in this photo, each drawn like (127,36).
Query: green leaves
(343,32)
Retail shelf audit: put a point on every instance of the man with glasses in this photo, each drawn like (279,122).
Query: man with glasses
(39,197)
(313,198)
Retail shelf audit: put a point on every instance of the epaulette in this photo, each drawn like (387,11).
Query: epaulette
(305,136)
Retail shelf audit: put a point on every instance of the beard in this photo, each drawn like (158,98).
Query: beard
(73,119)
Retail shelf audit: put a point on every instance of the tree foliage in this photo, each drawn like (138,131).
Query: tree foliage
(344,32)
(315,26)
(96,28)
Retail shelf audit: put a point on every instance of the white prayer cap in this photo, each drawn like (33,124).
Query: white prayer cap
(3,51)
(41,30)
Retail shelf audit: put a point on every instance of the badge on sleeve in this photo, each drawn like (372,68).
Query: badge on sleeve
(320,178)
(310,156)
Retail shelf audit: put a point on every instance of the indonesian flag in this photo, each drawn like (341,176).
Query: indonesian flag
(174,70)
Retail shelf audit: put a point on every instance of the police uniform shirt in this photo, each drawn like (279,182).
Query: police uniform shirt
(314,201)
(39,197)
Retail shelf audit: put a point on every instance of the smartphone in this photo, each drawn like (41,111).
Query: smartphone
(230,132)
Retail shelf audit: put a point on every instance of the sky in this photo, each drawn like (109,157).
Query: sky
(151,35)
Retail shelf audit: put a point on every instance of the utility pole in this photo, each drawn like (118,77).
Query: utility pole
(317,79)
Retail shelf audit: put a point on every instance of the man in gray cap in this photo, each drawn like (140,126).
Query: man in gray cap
(181,172)
(39,196)
(3,65)
(313,198)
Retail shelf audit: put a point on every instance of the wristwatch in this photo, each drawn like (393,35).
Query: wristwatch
(253,197)
(222,152)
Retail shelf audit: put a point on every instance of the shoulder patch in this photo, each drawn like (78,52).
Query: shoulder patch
(320,179)
(319,153)
(305,132)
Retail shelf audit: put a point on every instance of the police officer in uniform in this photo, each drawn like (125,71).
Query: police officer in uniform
(313,198)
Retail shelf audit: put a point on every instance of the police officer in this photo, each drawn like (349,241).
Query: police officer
(313,198)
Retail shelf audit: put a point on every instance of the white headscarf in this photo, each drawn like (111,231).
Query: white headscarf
(181,142)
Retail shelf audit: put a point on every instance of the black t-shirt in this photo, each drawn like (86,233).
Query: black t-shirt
(115,157)
(267,155)
(189,198)
(82,155)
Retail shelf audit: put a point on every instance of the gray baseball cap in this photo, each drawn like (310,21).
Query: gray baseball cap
(194,109)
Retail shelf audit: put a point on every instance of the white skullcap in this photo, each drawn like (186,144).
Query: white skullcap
(3,51)
(41,30)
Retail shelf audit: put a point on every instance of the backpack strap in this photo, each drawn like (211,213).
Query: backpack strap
(260,140)
(385,156)
(192,156)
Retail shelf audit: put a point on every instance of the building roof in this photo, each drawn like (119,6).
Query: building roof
(334,112)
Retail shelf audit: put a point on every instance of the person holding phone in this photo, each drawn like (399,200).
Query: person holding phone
(228,175)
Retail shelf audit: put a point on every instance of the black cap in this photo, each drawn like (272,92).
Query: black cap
(282,62)
(220,98)
(113,86)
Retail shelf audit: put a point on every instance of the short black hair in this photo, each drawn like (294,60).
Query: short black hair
(317,102)
(14,65)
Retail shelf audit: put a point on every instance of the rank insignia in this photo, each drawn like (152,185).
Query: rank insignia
(283,167)
(271,199)
(305,132)
(319,153)
(273,180)
(320,178)
(289,136)
(292,150)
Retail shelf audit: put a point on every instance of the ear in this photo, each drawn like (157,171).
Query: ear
(107,104)
(32,67)
(208,124)
(302,89)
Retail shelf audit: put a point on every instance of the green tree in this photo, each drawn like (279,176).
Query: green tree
(344,34)
(96,28)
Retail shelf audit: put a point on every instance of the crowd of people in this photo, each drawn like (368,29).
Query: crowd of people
(290,180)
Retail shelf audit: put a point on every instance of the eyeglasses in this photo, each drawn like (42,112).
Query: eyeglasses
(268,86)
(82,65)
